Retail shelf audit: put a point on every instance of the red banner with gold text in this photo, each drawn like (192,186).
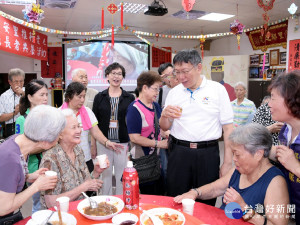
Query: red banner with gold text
(278,37)
(17,39)
(294,55)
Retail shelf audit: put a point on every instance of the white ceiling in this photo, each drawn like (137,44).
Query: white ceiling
(86,16)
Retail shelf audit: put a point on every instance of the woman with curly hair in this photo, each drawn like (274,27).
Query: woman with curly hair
(285,107)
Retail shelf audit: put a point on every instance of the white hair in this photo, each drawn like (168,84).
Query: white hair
(74,72)
(68,112)
(240,83)
(44,123)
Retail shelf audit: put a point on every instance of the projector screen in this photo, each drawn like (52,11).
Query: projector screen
(94,57)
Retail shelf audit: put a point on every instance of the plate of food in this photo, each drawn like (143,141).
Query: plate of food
(166,215)
(108,206)
(39,217)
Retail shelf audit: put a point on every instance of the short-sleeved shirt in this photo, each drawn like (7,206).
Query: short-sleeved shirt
(8,101)
(89,97)
(204,111)
(84,144)
(243,113)
(69,175)
(20,123)
(13,167)
(140,120)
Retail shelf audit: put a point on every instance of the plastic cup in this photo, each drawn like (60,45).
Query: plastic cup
(188,206)
(50,173)
(102,160)
(63,203)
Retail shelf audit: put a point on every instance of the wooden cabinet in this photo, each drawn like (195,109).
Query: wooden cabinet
(257,90)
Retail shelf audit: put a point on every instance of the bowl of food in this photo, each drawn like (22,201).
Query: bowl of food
(40,217)
(125,219)
(166,215)
(108,206)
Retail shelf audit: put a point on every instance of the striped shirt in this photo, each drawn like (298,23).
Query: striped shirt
(113,133)
(243,113)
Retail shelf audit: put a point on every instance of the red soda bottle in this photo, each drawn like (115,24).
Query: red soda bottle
(130,187)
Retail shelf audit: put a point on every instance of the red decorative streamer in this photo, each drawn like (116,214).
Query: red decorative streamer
(102,19)
(122,14)
(112,35)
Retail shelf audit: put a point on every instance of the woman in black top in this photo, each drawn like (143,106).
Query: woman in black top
(110,107)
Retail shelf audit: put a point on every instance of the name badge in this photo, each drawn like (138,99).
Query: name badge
(113,124)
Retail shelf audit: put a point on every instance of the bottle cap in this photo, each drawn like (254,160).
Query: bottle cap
(130,164)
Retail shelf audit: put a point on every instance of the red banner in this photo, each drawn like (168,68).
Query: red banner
(278,37)
(17,39)
(159,56)
(294,55)
(54,63)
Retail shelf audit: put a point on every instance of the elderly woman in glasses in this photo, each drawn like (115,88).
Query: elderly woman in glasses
(141,123)
(42,128)
(253,181)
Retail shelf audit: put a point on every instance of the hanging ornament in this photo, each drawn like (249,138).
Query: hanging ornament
(188,4)
(266,5)
(292,9)
(202,40)
(237,28)
(122,15)
(33,14)
(112,8)
(102,18)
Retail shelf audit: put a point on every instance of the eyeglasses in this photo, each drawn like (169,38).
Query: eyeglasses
(184,72)
(18,81)
(155,89)
(116,74)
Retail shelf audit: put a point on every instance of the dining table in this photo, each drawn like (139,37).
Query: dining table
(203,214)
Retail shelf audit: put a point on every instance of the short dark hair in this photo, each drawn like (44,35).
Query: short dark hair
(74,88)
(288,85)
(30,89)
(187,56)
(147,78)
(115,66)
(164,66)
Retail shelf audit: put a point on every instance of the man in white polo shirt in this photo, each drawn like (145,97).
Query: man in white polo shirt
(195,111)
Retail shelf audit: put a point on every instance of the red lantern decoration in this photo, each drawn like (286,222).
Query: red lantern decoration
(102,19)
(122,14)
(188,4)
(112,8)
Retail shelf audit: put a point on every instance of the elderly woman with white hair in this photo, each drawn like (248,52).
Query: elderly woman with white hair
(67,159)
(253,181)
(42,128)
(243,108)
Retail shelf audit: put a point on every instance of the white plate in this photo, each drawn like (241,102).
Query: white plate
(122,217)
(161,211)
(108,199)
(39,216)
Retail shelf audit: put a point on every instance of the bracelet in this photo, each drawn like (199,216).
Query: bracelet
(155,146)
(251,216)
(105,143)
(195,189)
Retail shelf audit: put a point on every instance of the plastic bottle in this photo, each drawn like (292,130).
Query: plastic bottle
(130,187)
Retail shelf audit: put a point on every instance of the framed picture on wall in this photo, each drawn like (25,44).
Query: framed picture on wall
(254,60)
(253,72)
(282,58)
(261,58)
(274,57)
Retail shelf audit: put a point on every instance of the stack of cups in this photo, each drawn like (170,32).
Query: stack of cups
(188,205)
(63,203)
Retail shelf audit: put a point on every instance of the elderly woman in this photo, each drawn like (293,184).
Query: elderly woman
(285,107)
(67,159)
(253,181)
(36,93)
(141,125)
(43,126)
(110,107)
(74,100)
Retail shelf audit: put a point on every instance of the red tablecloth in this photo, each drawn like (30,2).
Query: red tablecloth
(203,214)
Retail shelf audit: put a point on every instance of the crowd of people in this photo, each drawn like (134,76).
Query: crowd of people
(178,114)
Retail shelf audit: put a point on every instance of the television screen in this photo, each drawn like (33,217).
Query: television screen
(94,57)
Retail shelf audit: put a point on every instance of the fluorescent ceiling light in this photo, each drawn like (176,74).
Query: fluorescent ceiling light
(131,7)
(215,17)
(17,2)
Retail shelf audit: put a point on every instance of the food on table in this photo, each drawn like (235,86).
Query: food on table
(57,223)
(103,209)
(167,219)
(128,222)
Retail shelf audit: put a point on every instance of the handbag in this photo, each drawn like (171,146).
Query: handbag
(11,218)
(148,166)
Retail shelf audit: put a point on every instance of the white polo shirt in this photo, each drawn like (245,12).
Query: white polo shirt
(203,114)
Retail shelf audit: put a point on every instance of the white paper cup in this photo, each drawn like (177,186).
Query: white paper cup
(188,206)
(102,160)
(50,173)
(63,203)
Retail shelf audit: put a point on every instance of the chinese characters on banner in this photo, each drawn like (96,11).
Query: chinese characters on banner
(17,39)
(294,55)
(160,56)
(278,37)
